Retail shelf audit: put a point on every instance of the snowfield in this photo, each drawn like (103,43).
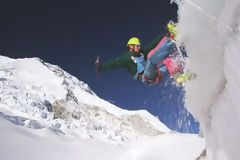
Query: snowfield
(47,113)
(23,143)
(51,97)
(210,31)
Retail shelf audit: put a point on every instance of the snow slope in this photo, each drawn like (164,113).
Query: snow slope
(47,96)
(24,143)
(47,113)
(210,32)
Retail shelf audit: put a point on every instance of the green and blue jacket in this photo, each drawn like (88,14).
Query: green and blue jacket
(125,61)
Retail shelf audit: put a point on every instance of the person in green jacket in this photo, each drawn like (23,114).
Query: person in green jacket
(148,65)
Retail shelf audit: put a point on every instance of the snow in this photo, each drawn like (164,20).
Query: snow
(48,95)
(23,143)
(168,147)
(46,112)
(27,72)
(210,32)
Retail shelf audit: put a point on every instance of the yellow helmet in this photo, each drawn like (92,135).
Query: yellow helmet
(134,40)
(171,26)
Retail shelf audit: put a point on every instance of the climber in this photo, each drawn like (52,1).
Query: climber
(148,65)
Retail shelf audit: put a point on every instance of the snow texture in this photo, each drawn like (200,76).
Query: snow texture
(47,113)
(210,32)
(26,144)
(43,95)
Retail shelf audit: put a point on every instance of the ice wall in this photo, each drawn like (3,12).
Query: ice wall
(210,32)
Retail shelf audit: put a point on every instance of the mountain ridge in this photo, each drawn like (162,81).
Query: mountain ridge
(48,96)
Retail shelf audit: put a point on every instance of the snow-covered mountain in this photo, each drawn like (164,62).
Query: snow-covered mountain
(46,112)
(39,95)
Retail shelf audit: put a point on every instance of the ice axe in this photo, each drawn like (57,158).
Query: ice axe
(98,66)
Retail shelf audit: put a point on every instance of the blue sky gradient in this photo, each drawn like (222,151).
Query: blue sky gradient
(72,34)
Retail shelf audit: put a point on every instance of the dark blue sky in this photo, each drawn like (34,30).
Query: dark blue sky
(72,33)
